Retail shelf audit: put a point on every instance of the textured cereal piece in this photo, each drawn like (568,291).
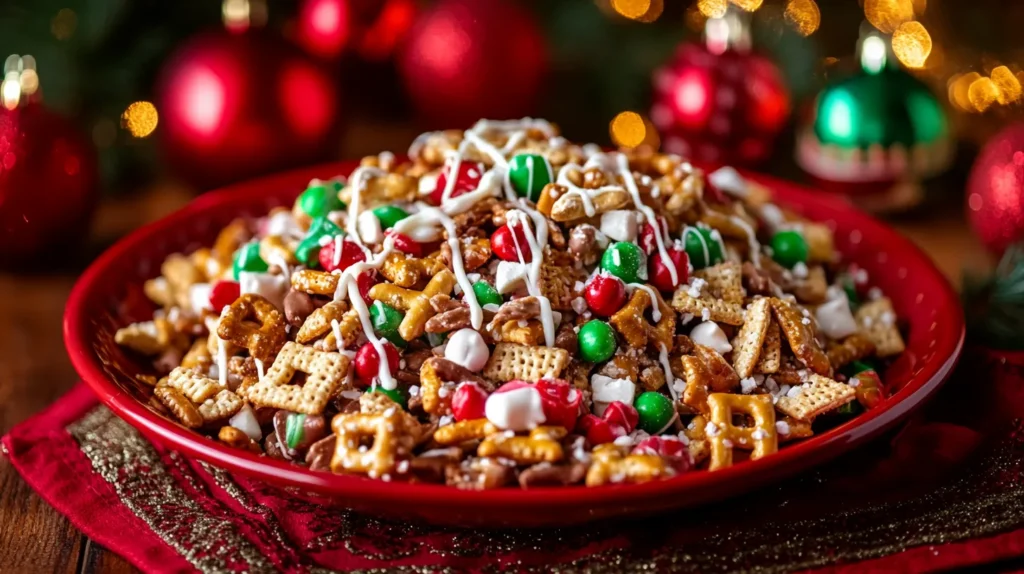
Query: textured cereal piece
(147,337)
(180,273)
(510,361)
(325,374)
(318,323)
(391,442)
(315,282)
(853,348)
(700,450)
(795,430)
(813,288)
(569,206)
(722,377)
(771,351)
(611,466)
(416,304)
(541,446)
(695,394)
(749,342)
(558,284)
(761,438)
(193,385)
(800,336)
(462,431)
(718,310)
(180,407)
(512,332)
(350,328)
(159,291)
(820,244)
(220,406)
(877,320)
(819,395)
(198,356)
(724,280)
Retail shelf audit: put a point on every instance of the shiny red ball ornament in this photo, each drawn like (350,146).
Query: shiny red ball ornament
(995,190)
(605,294)
(726,107)
(468,402)
(659,272)
(469,59)
(508,243)
(367,361)
(405,244)
(49,184)
(233,106)
(466,180)
(371,28)
(561,402)
(621,416)
(648,241)
(224,293)
(350,253)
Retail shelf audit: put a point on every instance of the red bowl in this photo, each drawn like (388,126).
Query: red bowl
(109,295)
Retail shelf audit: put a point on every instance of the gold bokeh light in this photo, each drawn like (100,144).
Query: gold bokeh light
(983,93)
(803,15)
(748,5)
(1008,84)
(912,44)
(639,10)
(887,15)
(628,129)
(712,8)
(140,119)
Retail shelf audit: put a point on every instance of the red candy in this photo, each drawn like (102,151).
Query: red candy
(224,293)
(561,402)
(605,294)
(861,279)
(350,253)
(468,402)
(367,362)
(647,240)
(659,273)
(503,243)
(619,414)
(467,179)
(365,281)
(712,194)
(596,429)
(405,244)
(668,447)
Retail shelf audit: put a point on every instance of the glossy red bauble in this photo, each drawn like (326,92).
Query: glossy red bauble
(367,361)
(660,274)
(468,402)
(509,243)
(224,293)
(405,244)
(372,28)
(604,294)
(620,415)
(350,253)
(995,190)
(467,179)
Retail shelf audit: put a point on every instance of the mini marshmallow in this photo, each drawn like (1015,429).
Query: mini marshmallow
(245,421)
(835,319)
(271,287)
(510,276)
(283,223)
(199,297)
(466,347)
(516,410)
(606,390)
(772,216)
(711,335)
(619,224)
(729,181)
(369,227)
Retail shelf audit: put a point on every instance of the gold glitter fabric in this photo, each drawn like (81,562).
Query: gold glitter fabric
(942,492)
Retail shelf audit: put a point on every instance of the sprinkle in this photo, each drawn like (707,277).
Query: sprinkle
(747,385)
(414,391)
(711,429)
(759,434)
(854,382)
(402,467)
(579,305)
(705,314)
(875,293)
(726,443)
(795,392)
(695,287)
(782,427)
(800,270)
(805,321)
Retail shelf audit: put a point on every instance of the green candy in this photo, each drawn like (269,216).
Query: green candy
(389,215)
(294,429)
(702,247)
(385,320)
(485,294)
(655,410)
(851,292)
(309,248)
(597,341)
(625,261)
(850,409)
(247,258)
(789,248)
(528,173)
(320,199)
(857,367)
(400,396)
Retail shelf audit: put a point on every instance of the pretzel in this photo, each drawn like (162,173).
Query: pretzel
(416,304)
(180,407)
(263,341)
(878,321)
(462,431)
(853,348)
(569,206)
(531,333)
(349,326)
(541,446)
(699,447)
(800,336)
(510,361)
(609,466)
(318,323)
(695,394)
(403,270)
(434,373)
(818,395)
(750,341)
(233,236)
(391,442)
(326,372)
(761,437)
(380,403)
(725,280)
(238,439)
(475,252)
(315,282)
(630,321)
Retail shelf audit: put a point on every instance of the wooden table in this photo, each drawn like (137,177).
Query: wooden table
(35,370)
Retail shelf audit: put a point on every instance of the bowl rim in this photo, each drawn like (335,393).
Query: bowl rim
(824,446)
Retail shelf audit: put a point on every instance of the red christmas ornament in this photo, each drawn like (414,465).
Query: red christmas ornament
(719,102)
(234,106)
(995,190)
(605,294)
(470,59)
(373,28)
(367,361)
(48,184)
(509,243)
(468,402)
(661,276)
(350,253)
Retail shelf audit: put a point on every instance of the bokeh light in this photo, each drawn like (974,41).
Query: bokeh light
(323,26)
(1008,84)
(748,5)
(959,90)
(912,44)
(140,119)
(627,129)
(982,93)
(803,15)
(887,15)
(712,8)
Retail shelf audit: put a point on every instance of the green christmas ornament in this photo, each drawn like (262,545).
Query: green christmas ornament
(703,247)
(655,410)
(597,341)
(400,396)
(485,294)
(789,248)
(626,261)
(321,198)
(385,320)
(320,230)
(528,173)
(247,258)
(389,215)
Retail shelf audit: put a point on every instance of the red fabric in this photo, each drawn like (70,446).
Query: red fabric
(160,533)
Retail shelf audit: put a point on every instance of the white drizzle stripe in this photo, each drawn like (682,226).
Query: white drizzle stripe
(755,247)
(585,194)
(358,181)
(669,377)
(222,355)
(259,368)
(655,311)
(627,177)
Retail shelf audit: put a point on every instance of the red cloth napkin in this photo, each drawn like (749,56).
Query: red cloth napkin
(946,491)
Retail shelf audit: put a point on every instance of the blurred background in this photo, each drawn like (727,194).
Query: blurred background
(113,113)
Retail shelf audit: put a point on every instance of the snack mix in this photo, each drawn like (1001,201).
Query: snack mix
(507,307)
